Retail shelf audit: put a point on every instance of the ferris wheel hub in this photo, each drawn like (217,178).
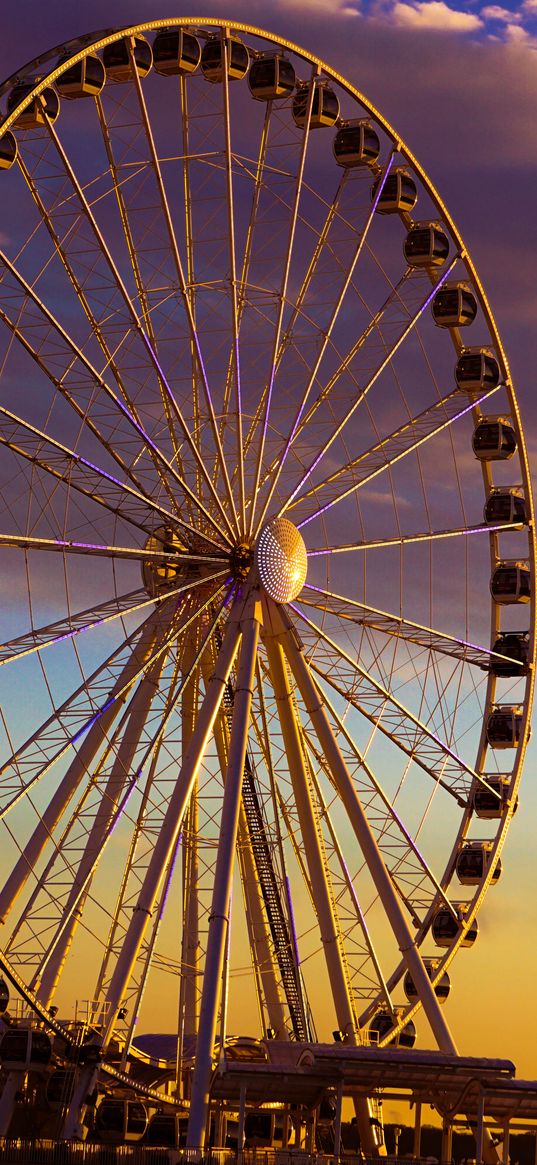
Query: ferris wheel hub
(281,560)
(240,560)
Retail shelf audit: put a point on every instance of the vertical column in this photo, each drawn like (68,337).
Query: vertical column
(416,1144)
(337,1121)
(480,1129)
(242,1121)
(447,1140)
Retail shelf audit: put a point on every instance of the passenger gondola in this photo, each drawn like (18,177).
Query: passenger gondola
(441,988)
(117,58)
(383,1022)
(473,863)
(398,194)
(477,370)
(511,655)
(4,996)
(494,439)
(43,108)
(165,1130)
(505,505)
(176,52)
(426,245)
(119,1121)
(356,144)
(490,804)
(85,78)
(238,59)
(25,1049)
(504,726)
(271,78)
(446,926)
(511,583)
(454,306)
(324,106)
(8,150)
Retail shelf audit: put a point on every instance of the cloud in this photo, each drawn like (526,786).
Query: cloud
(495,12)
(434,15)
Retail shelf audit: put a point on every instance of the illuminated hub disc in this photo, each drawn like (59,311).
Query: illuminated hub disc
(281,560)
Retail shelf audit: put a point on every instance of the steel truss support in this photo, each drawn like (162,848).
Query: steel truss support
(162,853)
(330,930)
(281,630)
(78,768)
(269,996)
(50,972)
(219,920)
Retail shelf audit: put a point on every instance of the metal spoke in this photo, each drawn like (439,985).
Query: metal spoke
(429,638)
(326,338)
(426,536)
(235,350)
(174,251)
(137,554)
(96,328)
(75,354)
(68,628)
(30,443)
(370,383)
(447,762)
(382,456)
(283,289)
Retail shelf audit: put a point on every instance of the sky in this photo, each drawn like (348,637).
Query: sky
(459,82)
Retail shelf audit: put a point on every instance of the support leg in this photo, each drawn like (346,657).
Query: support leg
(364,834)
(218,921)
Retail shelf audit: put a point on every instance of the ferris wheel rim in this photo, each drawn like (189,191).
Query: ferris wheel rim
(132,30)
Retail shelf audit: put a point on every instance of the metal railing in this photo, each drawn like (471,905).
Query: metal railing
(46,1152)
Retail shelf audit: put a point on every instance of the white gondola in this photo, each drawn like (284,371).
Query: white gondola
(324,107)
(166,1130)
(446,926)
(511,583)
(399,193)
(356,144)
(426,245)
(176,52)
(117,59)
(8,150)
(44,108)
(84,79)
(441,989)
(4,996)
(383,1022)
(490,804)
(271,78)
(511,655)
(120,1121)
(494,439)
(477,370)
(473,863)
(454,306)
(504,726)
(25,1049)
(505,505)
(238,59)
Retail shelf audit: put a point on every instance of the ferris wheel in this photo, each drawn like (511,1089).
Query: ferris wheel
(267,562)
